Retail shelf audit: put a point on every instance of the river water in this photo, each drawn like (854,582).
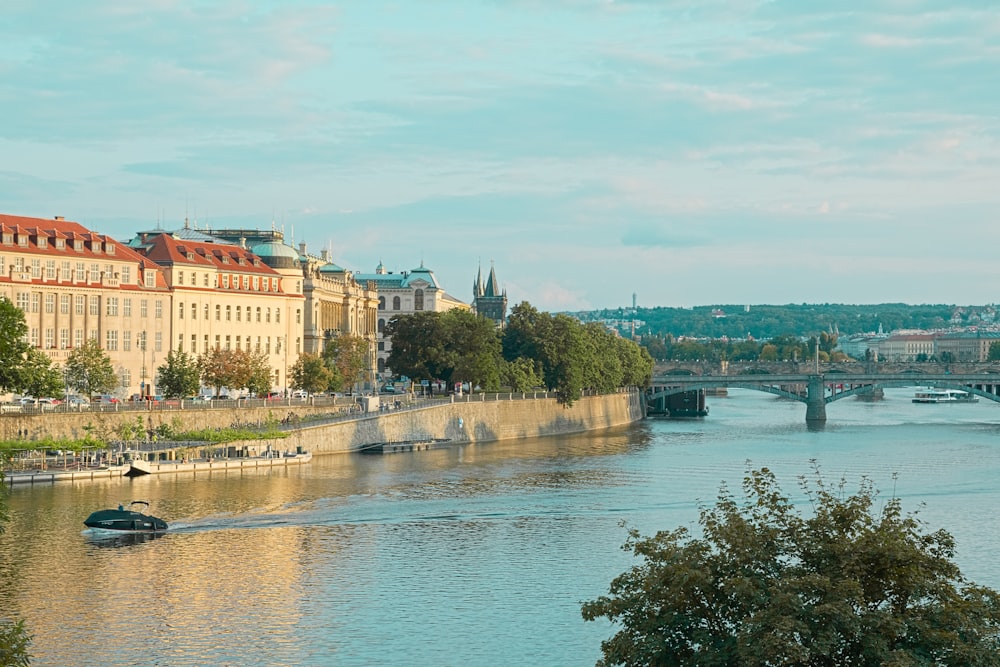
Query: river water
(474,555)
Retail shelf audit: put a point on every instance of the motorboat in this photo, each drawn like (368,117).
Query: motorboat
(131,519)
(944,396)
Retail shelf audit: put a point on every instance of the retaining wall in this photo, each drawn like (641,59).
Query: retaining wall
(476,418)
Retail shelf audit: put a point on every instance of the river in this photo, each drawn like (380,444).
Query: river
(474,555)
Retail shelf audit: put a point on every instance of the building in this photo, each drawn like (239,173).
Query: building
(74,284)
(488,300)
(404,293)
(905,347)
(226,297)
(965,345)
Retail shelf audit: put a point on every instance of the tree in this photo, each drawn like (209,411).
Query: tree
(259,375)
(223,368)
(310,373)
(521,374)
(38,376)
(349,361)
(13,345)
(994,351)
(179,376)
(765,586)
(89,370)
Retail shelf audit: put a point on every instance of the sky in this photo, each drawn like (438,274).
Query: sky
(687,152)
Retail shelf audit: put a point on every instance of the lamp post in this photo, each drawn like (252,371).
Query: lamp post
(140,342)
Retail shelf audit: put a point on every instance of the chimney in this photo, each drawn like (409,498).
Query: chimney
(302,248)
(243,242)
(324,254)
(59,217)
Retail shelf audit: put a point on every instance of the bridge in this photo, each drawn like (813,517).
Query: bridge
(816,390)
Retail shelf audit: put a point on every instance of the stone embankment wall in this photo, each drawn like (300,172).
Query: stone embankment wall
(476,418)
(472,419)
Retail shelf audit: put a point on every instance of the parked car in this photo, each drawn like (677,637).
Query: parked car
(77,401)
(106,398)
(42,403)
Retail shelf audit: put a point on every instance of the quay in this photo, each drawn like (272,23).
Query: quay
(405,446)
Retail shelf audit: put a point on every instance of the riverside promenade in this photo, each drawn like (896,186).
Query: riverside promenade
(476,418)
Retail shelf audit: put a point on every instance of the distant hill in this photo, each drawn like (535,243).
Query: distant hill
(768,321)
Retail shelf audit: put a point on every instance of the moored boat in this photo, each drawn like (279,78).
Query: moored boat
(128,520)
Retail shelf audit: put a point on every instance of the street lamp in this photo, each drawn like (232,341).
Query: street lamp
(140,342)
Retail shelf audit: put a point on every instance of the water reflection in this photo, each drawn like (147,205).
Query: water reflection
(110,540)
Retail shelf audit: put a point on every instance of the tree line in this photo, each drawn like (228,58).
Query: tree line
(785,347)
(534,349)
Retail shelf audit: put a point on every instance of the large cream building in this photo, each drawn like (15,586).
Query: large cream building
(73,284)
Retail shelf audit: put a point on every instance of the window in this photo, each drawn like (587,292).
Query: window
(180,310)
(227,343)
(60,244)
(418,299)
(19,264)
(218,312)
(194,344)
(34,337)
(180,277)
(36,268)
(298,345)
(65,272)
(79,304)
(229,315)
(268,316)
(78,245)
(36,302)
(395,303)
(149,278)
(111,306)
(42,242)
(127,307)
(158,341)
(256,283)
(194,311)
(180,342)
(258,313)
(64,304)
(143,308)
(246,282)
(277,315)
(381,325)
(206,343)
(127,340)
(381,303)
(126,275)
(63,339)
(80,272)
(95,273)
(50,305)
(206,280)
(109,248)
(112,341)
(77,337)
(217,341)
(95,335)
(23,298)
(298,316)
(267,345)
(50,269)
(50,338)
(225,281)
(277,345)
(22,240)
(381,346)
(206,311)
(257,349)
(239,340)
(239,311)
(158,309)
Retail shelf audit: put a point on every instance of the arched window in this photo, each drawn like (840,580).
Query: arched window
(395,303)
(418,299)
(381,303)
(381,325)
(381,365)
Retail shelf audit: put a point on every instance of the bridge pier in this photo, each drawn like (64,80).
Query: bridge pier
(815,400)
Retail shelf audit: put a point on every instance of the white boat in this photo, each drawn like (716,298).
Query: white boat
(944,396)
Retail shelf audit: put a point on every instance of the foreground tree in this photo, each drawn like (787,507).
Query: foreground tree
(38,376)
(179,376)
(89,370)
(765,586)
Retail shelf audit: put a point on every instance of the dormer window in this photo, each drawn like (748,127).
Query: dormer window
(225,259)
(256,261)
(95,247)
(190,256)
(60,244)
(243,261)
(43,242)
(8,238)
(22,240)
(110,248)
(78,245)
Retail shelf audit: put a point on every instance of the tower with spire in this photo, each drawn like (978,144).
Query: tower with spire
(488,299)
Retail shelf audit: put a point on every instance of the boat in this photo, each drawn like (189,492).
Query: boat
(943,396)
(126,520)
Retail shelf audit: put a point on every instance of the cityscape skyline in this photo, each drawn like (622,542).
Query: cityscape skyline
(692,153)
